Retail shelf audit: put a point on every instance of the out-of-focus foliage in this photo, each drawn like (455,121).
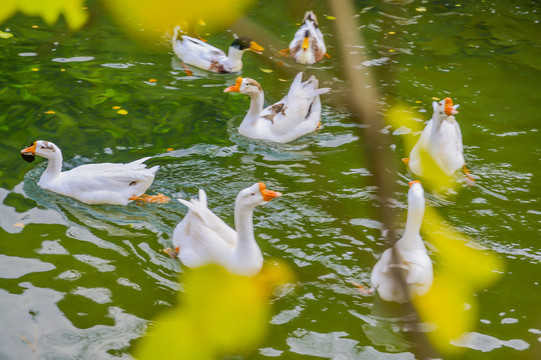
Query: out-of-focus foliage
(48,10)
(434,179)
(218,313)
(462,269)
(149,20)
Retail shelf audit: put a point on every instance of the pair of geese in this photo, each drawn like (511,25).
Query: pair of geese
(202,237)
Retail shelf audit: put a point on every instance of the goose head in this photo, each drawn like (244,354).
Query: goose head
(255,195)
(444,108)
(244,43)
(42,148)
(245,86)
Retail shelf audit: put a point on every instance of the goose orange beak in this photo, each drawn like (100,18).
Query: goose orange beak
(449,108)
(268,195)
(256,48)
(305,43)
(236,87)
(29,154)
(31,150)
(413,182)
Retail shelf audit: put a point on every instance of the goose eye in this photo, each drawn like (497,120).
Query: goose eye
(252,194)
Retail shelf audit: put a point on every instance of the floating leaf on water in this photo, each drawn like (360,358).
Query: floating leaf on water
(116,107)
(122,112)
(5,35)
(420,9)
(267,71)
(330,17)
(50,112)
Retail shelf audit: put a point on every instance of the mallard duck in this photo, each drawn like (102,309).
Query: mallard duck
(297,114)
(198,53)
(441,139)
(203,238)
(104,183)
(412,261)
(307,46)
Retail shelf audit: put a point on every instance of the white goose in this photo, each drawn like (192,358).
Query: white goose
(441,139)
(204,56)
(412,259)
(307,46)
(203,238)
(105,183)
(297,114)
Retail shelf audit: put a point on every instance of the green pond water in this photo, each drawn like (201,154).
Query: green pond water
(82,281)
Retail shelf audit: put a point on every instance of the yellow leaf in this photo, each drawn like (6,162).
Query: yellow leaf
(420,9)
(5,35)
(122,112)
(330,17)
(149,20)
(219,313)
(268,71)
(49,11)
(461,269)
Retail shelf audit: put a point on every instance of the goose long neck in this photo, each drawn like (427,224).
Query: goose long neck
(54,165)
(245,230)
(257,101)
(414,221)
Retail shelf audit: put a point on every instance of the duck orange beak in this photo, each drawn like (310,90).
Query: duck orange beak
(256,48)
(449,108)
(236,87)
(306,43)
(268,195)
(31,150)
(413,182)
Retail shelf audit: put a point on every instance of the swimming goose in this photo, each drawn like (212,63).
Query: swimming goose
(198,53)
(203,238)
(297,114)
(307,46)
(442,140)
(412,260)
(104,183)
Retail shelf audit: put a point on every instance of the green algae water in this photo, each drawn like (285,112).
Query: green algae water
(82,281)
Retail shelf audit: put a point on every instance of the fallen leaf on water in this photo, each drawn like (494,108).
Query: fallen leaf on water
(122,112)
(50,112)
(268,71)
(330,17)
(5,35)
(116,107)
